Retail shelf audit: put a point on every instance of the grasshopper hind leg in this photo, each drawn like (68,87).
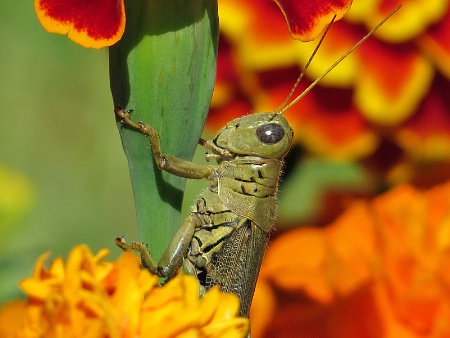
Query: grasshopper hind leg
(173,257)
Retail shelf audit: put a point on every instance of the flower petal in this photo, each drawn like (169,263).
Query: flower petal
(307,19)
(307,250)
(263,307)
(92,24)
(436,43)
(12,318)
(91,298)
(409,254)
(340,38)
(426,135)
(410,21)
(393,80)
(257,47)
(325,263)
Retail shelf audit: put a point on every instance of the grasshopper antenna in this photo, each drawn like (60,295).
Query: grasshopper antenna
(282,110)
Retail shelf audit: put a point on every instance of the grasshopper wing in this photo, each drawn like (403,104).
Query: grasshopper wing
(236,266)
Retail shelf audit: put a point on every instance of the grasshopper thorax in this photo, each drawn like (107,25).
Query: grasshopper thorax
(266,135)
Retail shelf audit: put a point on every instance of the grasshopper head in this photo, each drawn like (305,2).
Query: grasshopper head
(266,135)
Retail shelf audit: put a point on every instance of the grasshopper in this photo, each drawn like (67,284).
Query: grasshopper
(224,238)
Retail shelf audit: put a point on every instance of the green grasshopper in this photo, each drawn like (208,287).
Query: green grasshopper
(224,238)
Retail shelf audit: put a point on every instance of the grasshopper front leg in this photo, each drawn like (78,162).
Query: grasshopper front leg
(175,252)
(171,164)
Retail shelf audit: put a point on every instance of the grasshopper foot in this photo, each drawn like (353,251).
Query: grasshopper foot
(146,258)
(122,243)
(125,118)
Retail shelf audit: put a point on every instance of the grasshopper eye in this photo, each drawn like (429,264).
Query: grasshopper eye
(270,133)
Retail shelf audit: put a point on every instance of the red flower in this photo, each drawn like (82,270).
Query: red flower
(92,24)
(306,20)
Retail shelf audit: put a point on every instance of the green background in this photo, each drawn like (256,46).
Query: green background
(58,130)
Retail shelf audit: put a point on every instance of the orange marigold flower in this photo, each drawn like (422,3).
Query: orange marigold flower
(87,297)
(12,318)
(381,269)
(92,24)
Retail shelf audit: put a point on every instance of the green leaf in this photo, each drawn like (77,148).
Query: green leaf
(163,69)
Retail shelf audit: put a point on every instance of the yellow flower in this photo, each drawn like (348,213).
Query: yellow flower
(87,297)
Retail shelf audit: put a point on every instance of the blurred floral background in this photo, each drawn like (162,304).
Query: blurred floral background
(362,243)
(365,185)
